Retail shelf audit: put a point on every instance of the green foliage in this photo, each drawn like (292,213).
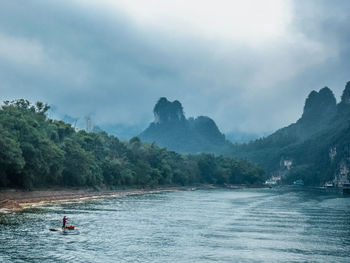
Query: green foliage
(11,160)
(305,172)
(39,152)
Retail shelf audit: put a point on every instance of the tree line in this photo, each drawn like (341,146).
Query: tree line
(37,152)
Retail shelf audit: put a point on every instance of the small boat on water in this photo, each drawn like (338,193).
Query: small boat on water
(346,188)
(298,182)
(271,183)
(329,185)
(70,227)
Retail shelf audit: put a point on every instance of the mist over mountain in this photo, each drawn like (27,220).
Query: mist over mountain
(122,131)
(237,136)
(172,130)
(315,148)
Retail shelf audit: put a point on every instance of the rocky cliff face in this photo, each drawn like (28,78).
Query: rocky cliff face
(166,111)
(344,105)
(319,106)
(171,129)
(345,98)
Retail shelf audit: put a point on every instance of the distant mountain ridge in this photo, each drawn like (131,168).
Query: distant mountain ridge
(172,130)
(316,147)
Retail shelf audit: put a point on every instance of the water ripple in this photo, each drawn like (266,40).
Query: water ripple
(245,225)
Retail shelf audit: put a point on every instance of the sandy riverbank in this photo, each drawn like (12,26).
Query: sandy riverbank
(15,200)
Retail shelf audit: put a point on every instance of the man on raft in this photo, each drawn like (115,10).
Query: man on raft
(64,221)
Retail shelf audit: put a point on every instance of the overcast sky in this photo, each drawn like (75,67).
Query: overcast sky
(247,64)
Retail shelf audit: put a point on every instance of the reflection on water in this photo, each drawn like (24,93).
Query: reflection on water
(247,225)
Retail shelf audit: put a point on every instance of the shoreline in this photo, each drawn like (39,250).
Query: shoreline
(14,200)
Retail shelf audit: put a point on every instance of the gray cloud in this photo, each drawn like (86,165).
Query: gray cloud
(96,62)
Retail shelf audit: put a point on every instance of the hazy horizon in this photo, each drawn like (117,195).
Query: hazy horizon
(249,65)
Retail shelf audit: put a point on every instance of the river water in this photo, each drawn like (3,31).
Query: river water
(218,225)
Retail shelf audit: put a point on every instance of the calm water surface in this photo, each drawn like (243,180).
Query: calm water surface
(247,225)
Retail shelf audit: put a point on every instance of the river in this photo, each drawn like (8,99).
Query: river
(216,225)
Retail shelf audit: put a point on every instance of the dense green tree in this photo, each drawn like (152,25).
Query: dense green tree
(40,152)
(11,159)
(80,167)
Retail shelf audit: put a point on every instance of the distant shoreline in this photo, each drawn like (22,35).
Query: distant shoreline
(12,200)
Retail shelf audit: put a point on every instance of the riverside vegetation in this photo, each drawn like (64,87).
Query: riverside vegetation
(36,151)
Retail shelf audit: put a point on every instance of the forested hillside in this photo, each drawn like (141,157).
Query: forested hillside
(316,148)
(39,152)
